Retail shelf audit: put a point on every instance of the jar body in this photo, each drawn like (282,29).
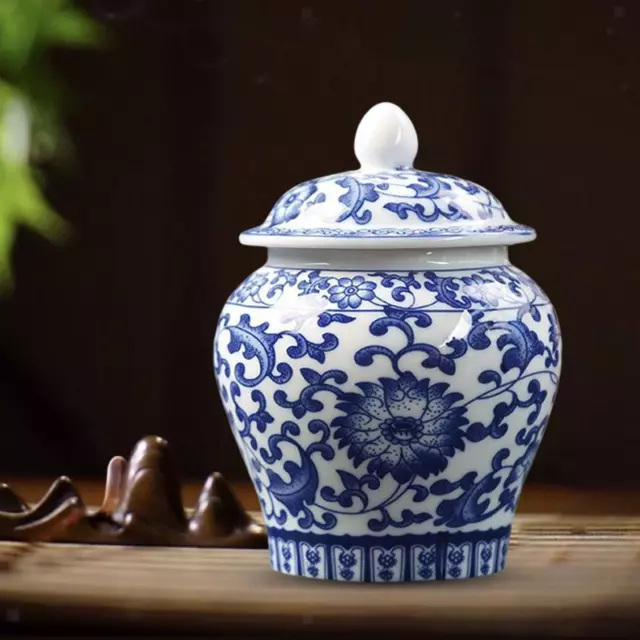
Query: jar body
(388,416)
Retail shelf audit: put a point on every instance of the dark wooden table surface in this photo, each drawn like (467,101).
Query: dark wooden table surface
(573,570)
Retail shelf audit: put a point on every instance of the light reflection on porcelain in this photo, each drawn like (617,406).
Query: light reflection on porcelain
(389,402)
(491,293)
(295,311)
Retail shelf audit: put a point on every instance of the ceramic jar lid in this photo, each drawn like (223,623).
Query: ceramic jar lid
(387,204)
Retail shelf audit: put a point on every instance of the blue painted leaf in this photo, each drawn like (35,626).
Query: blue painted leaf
(519,343)
(325,318)
(314,350)
(357,194)
(365,356)
(370,481)
(255,343)
(447,366)
(420,493)
(499,458)
(478,338)
(409,518)
(458,347)
(311,376)
(349,480)
(488,376)
(444,487)
(319,426)
(327,521)
(303,484)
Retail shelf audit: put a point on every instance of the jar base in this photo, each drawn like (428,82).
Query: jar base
(407,558)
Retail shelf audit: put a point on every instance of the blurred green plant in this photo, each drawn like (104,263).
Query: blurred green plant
(31,98)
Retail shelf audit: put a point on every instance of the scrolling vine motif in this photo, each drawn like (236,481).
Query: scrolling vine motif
(409,194)
(402,427)
(489,288)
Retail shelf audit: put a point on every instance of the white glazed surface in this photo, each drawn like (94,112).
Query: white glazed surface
(277,310)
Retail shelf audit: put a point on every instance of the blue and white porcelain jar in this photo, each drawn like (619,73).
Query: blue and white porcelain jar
(388,374)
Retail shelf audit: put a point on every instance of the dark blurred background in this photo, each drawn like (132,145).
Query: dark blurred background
(202,113)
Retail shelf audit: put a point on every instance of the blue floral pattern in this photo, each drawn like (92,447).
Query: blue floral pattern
(292,203)
(346,561)
(368,414)
(376,203)
(429,556)
(350,292)
(313,558)
(486,555)
(406,427)
(456,557)
(492,287)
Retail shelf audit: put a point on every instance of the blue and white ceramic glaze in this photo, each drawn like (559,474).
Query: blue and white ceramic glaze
(388,374)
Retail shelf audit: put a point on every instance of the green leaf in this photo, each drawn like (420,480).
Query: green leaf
(22,203)
(26,204)
(19,24)
(45,98)
(7,237)
(72,29)
(28,28)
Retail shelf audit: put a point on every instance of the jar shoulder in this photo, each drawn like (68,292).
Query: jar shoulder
(479,289)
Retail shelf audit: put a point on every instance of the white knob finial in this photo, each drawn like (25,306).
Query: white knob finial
(385,139)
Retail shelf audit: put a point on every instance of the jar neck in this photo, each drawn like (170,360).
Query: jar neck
(382,259)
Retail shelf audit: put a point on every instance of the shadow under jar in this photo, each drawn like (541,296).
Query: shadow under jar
(388,374)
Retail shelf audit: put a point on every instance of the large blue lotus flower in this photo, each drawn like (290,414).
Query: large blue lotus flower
(405,427)
(290,205)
